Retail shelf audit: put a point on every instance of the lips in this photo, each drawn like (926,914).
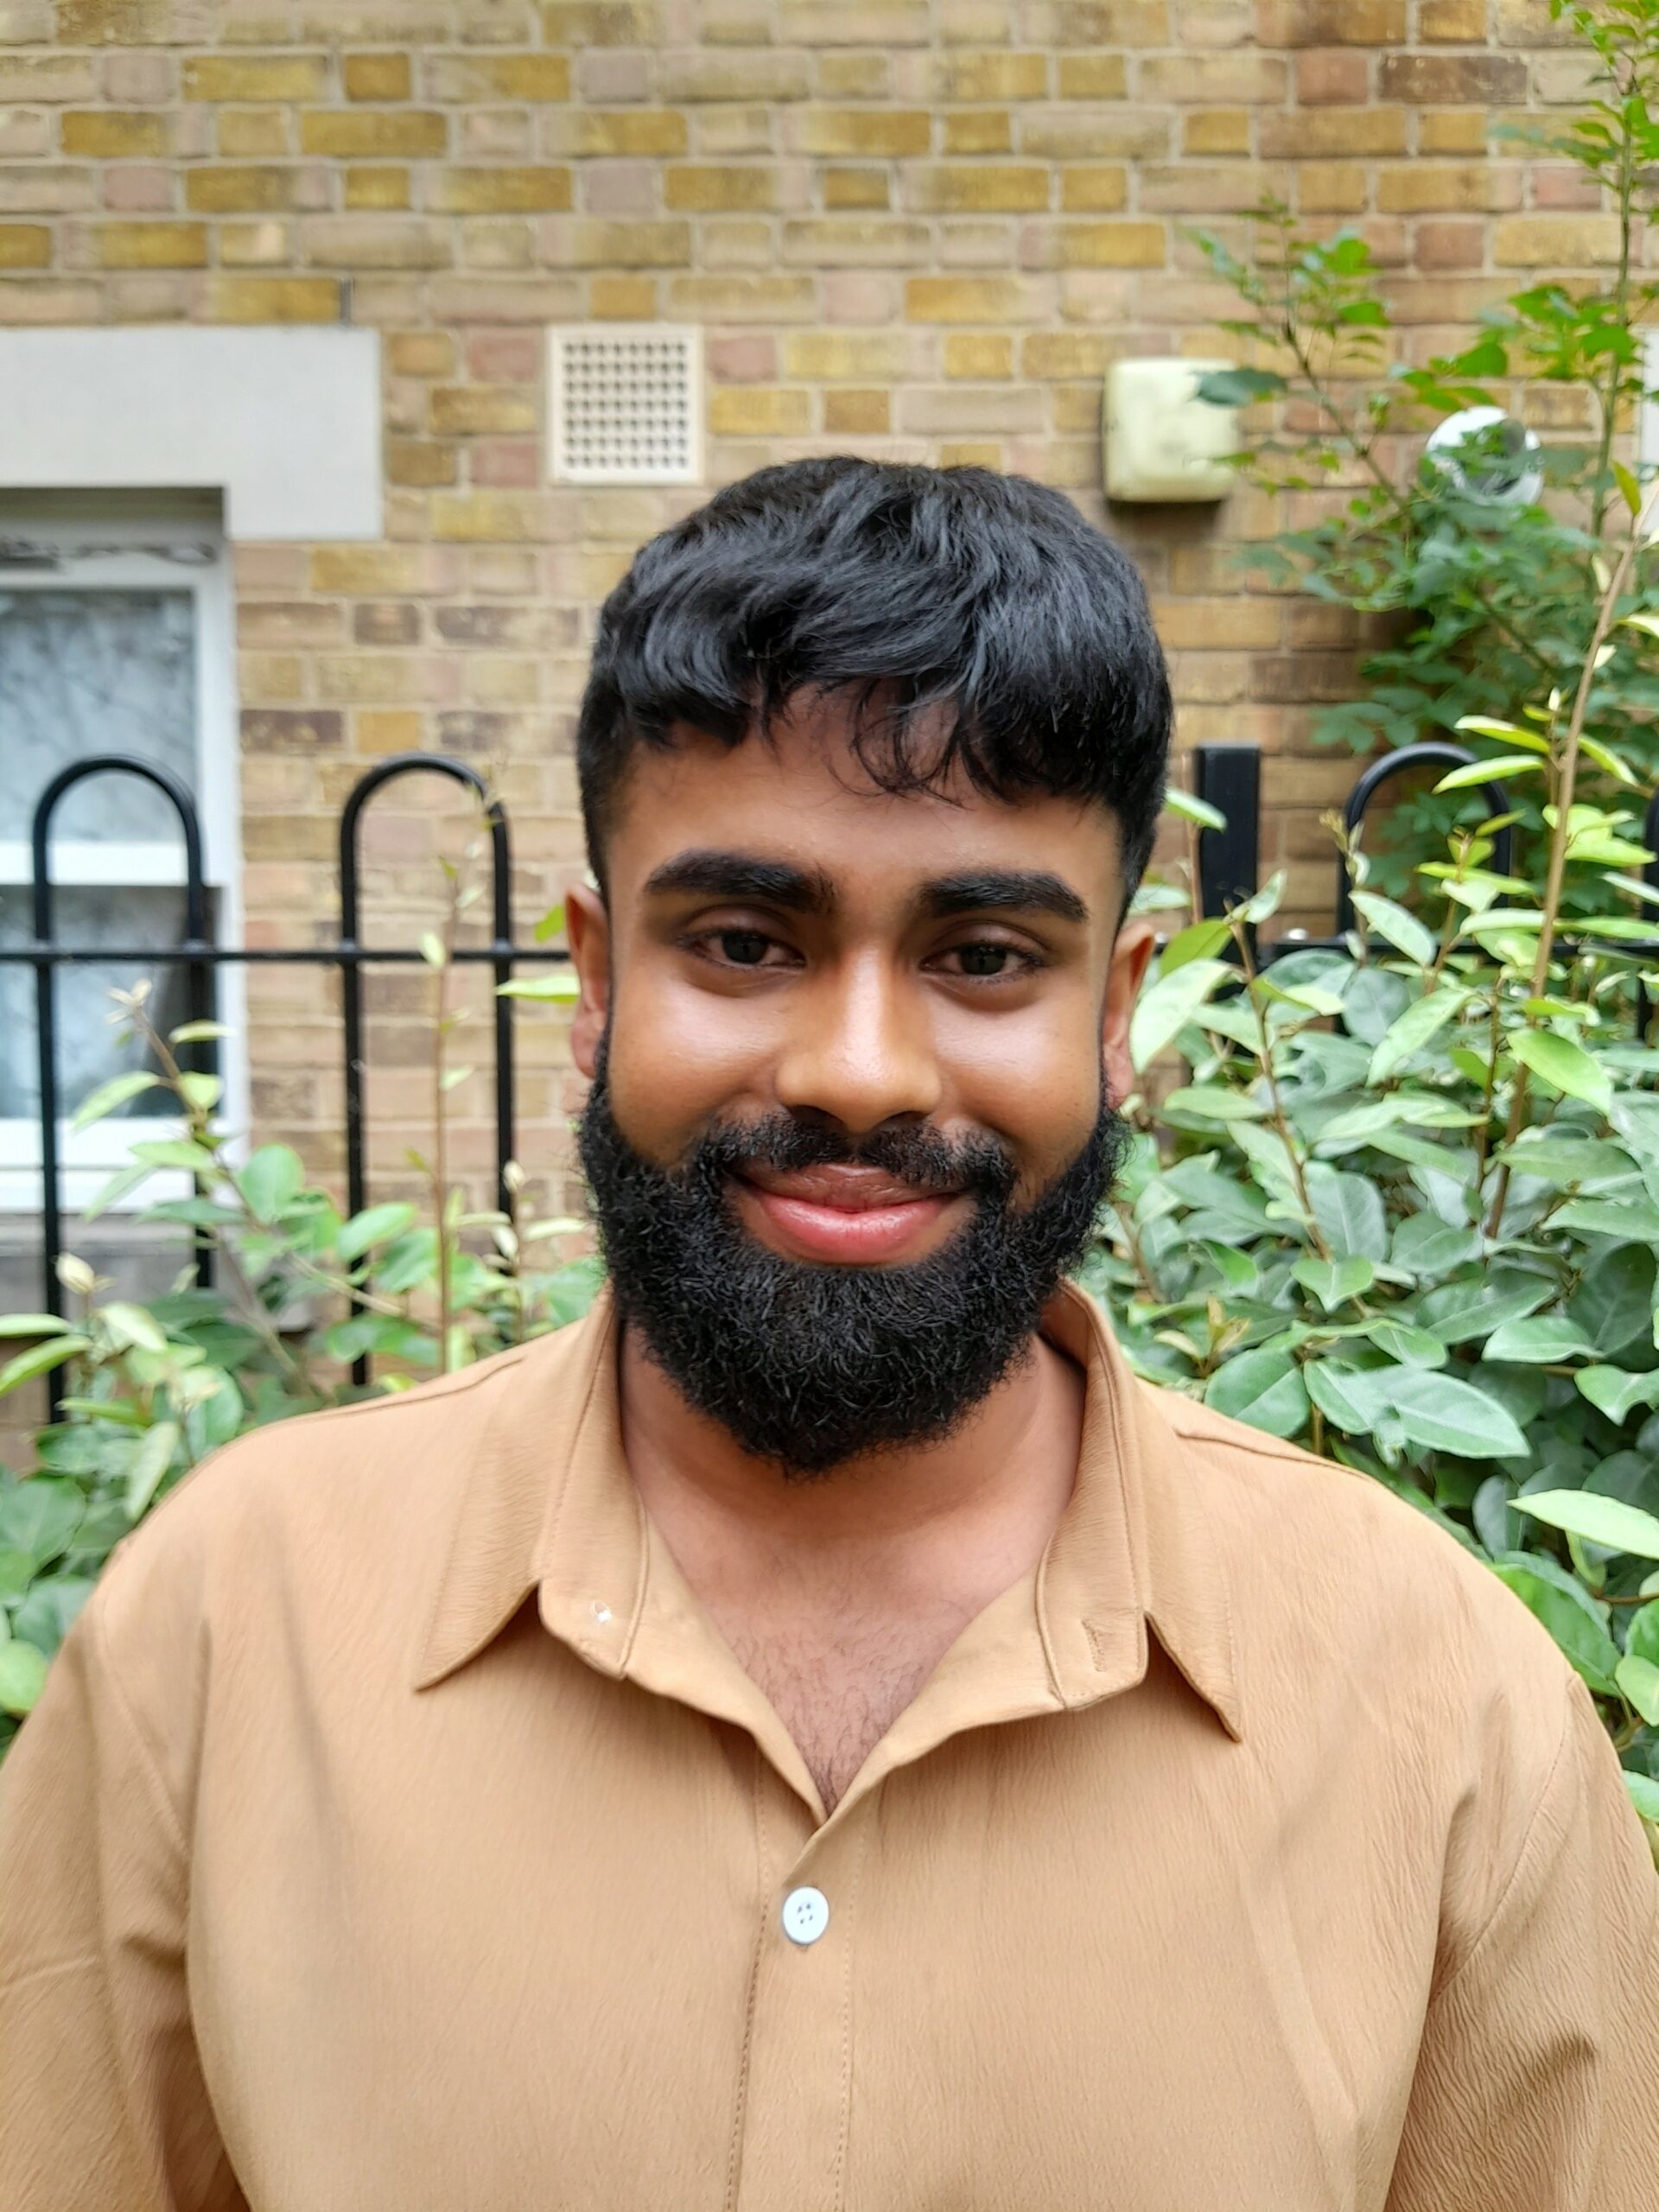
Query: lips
(846,1214)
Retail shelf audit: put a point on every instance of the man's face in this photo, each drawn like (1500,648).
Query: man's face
(854,1057)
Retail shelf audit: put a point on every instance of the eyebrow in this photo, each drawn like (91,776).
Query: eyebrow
(712,874)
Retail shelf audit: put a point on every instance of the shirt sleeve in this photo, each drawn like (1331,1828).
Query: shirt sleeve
(1540,2053)
(103,2106)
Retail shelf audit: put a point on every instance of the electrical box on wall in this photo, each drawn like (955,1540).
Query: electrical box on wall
(1161,441)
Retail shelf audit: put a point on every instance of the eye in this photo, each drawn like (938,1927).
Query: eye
(736,948)
(986,960)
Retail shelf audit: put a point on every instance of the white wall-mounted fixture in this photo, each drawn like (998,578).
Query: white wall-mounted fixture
(1505,472)
(625,404)
(284,421)
(1162,441)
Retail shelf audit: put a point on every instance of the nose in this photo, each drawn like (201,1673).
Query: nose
(859,1049)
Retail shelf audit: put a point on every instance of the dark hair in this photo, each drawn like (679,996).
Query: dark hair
(911,588)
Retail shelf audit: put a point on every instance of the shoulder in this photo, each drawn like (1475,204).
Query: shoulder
(1329,1569)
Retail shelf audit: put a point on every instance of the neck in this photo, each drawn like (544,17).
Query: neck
(986,1497)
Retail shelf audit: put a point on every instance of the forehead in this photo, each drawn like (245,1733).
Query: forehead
(802,795)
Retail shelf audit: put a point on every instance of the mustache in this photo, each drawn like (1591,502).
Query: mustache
(921,1157)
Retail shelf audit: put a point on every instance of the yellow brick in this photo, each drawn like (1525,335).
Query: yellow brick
(1460,22)
(1095,191)
(1077,407)
(855,188)
(743,299)
(1093,76)
(503,192)
(256,76)
(368,132)
(25,245)
(463,79)
(470,409)
(361,571)
(622,299)
(1331,187)
(384,730)
(990,77)
(979,130)
(1554,241)
(883,131)
(422,353)
(267,244)
(628,131)
(417,460)
(377,187)
(273,299)
(599,22)
(961,299)
(629,245)
(854,76)
(856,414)
(246,191)
(376,76)
(983,187)
(1112,245)
(114,135)
(489,517)
(698,187)
(970,452)
(844,356)
(972,353)
(1059,353)
(752,410)
(1454,187)
(152,245)
(254,131)
(1453,131)
(1217,131)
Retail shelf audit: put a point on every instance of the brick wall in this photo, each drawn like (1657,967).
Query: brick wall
(920,229)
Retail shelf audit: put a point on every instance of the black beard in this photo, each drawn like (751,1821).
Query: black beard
(811,1365)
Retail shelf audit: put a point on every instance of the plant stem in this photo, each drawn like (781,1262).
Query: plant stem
(1280,1118)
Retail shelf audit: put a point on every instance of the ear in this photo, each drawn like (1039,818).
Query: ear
(1131,957)
(588,927)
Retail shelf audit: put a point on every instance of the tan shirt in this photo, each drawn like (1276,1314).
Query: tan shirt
(396,1834)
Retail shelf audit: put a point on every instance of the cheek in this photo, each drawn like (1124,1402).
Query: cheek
(677,1057)
(1032,1075)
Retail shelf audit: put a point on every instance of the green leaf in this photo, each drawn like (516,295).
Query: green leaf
(1638,1679)
(202,1091)
(1334,1282)
(23,1676)
(271,1182)
(1501,770)
(1606,1521)
(40,1516)
(150,1462)
(562,983)
(1199,942)
(125,1180)
(1412,1030)
(372,1226)
(41,1360)
(130,1324)
(1262,905)
(1641,1636)
(108,1096)
(1211,1102)
(1508,733)
(1613,1392)
(48,1612)
(1440,1413)
(1563,1064)
(33,1325)
(1590,1649)
(1188,808)
(1350,1211)
(551,925)
(1629,490)
(1644,1794)
(197,1032)
(1457,1312)
(1543,1341)
(1400,929)
(1263,1388)
(1238,387)
(1166,1008)
(16,1573)
(1343,1395)
(432,949)
(1426,1245)
(1411,1347)
(1620,1218)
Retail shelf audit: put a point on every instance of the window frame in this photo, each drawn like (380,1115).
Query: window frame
(129,533)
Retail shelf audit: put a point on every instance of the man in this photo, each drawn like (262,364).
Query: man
(818,1736)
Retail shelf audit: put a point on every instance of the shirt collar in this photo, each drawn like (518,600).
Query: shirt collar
(548,1506)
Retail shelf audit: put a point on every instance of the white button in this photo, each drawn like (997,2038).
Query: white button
(806,1915)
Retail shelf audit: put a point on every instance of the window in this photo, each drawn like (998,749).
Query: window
(115,637)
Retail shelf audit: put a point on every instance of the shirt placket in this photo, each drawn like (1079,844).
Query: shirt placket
(790,2136)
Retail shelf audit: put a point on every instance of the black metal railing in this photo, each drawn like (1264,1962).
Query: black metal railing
(1229,861)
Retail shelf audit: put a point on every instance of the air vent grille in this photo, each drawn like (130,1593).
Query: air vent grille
(627,404)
